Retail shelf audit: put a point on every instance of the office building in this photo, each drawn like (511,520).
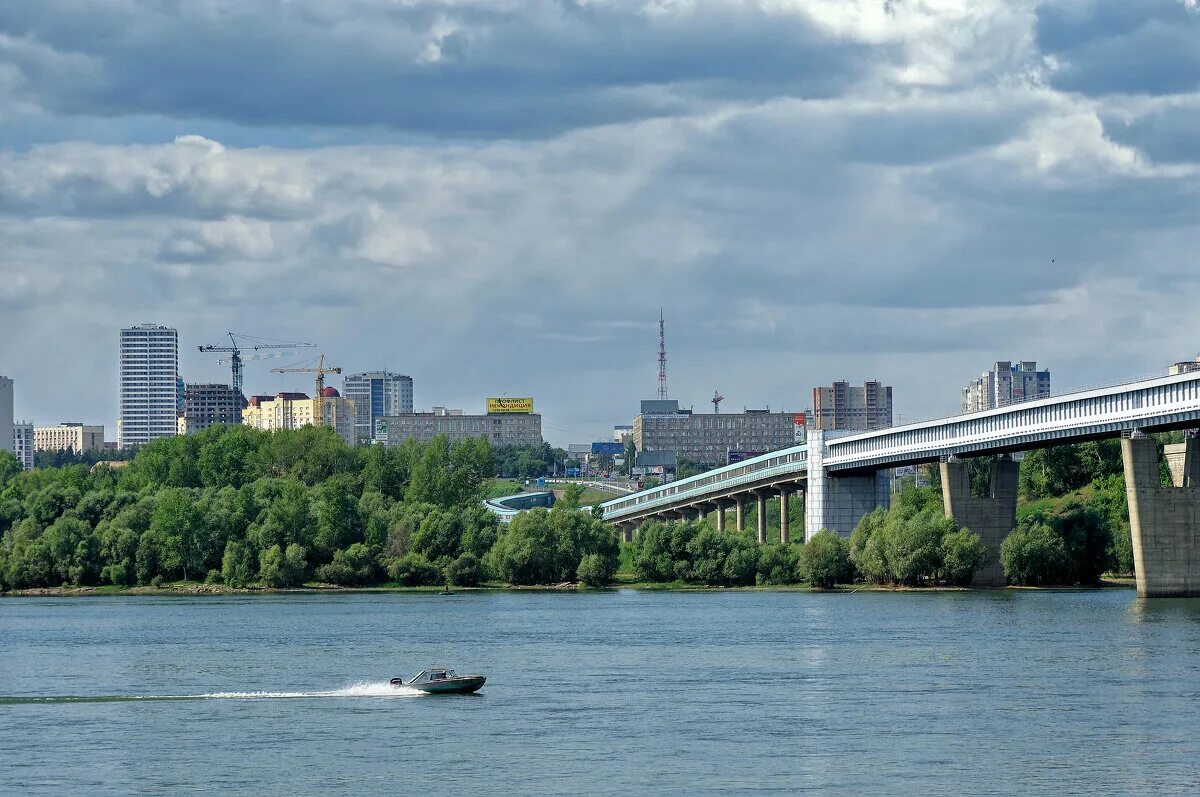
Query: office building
(501,428)
(293,410)
(622,433)
(149,395)
(206,405)
(73,437)
(1005,384)
(1185,367)
(844,407)
(376,394)
(6,414)
(22,442)
(710,438)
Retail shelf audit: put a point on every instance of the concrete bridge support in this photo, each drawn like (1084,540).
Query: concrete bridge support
(741,513)
(992,518)
(783,515)
(836,502)
(1165,521)
(761,506)
(720,516)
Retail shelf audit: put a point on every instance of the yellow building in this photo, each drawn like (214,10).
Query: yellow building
(74,437)
(293,410)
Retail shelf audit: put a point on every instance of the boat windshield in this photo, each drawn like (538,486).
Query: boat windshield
(432,675)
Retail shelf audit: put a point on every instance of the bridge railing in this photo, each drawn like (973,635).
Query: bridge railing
(764,465)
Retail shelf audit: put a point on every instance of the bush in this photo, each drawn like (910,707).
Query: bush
(237,567)
(1033,554)
(595,571)
(213,577)
(825,560)
(353,567)
(281,568)
(414,570)
(778,564)
(465,571)
(963,553)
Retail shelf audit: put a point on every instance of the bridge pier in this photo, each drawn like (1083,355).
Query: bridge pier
(761,516)
(838,503)
(720,516)
(1164,521)
(740,517)
(783,515)
(992,518)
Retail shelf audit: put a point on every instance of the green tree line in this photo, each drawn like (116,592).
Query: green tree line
(240,506)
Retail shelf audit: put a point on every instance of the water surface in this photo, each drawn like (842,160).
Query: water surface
(625,692)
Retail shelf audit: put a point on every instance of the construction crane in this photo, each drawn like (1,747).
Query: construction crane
(320,370)
(716,401)
(255,344)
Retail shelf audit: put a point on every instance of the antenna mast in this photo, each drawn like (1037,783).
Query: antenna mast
(662,356)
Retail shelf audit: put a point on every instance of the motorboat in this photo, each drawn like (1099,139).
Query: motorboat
(441,681)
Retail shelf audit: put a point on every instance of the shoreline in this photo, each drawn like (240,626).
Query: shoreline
(189,589)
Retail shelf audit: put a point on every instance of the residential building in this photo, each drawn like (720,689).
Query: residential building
(376,394)
(73,437)
(844,407)
(293,410)
(622,433)
(206,405)
(22,442)
(1185,367)
(149,396)
(1007,383)
(710,437)
(6,414)
(501,429)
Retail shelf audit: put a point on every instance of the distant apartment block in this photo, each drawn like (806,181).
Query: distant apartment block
(501,429)
(1185,367)
(22,442)
(149,386)
(1007,383)
(6,414)
(206,405)
(293,410)
(709,438)
(377,394)
(74,437)
(842,406)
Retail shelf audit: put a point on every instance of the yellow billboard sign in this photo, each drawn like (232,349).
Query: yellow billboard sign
(495,405)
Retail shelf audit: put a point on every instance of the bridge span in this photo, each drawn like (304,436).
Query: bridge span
(845,476)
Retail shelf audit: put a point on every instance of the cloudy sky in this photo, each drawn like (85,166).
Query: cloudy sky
(496,196)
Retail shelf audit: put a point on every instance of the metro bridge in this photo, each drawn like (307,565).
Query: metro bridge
(845,475)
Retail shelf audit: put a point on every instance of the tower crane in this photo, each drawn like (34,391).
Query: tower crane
(320,370)
(235,351)
(716,401)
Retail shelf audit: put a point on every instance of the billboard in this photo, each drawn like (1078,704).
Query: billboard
(608,449)
(741,456)
(497,405)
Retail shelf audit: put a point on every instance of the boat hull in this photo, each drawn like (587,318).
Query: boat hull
(451,686)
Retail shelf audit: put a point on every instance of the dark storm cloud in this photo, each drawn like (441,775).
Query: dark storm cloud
(475,69)
(1114,46)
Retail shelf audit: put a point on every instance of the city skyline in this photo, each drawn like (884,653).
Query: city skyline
(812,191)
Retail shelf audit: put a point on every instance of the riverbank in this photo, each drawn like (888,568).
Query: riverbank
(198,588)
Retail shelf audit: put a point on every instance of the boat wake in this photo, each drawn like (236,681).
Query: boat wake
(381,689)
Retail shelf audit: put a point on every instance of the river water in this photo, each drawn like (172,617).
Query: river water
(626,692)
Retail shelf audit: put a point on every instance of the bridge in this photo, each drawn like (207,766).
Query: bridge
(845,476)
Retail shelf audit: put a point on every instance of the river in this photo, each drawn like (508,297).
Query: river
(625,692)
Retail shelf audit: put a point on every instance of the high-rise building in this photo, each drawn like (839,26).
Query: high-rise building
(1006,384)
(149,399)
(293,410)
(22,442)
(6,414)
(206,405)
(846,407)
(1185,367)
(376,394)
(711,438)
(73,437)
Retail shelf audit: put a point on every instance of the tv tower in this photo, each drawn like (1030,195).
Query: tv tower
(662,356)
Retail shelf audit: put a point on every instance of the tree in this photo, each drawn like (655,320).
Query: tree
(778,564)
(413,570)
(1033,554)
(963,553)
(595,571)
(465,571)
(825,560)
(352,567)
(237,566)
(280,568)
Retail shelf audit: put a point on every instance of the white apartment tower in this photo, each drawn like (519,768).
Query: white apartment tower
(1007,383)
(149,392)
(376,394)
(6,414)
